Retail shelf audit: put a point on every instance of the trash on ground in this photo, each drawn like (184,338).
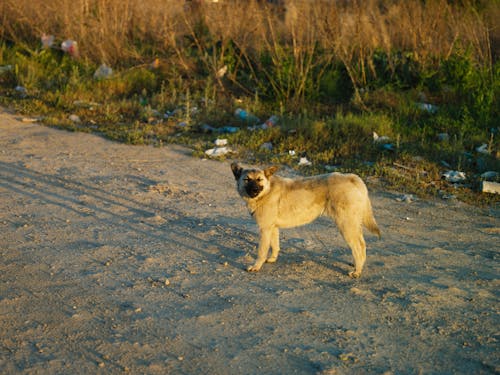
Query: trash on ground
(47,40)
(217,151)
(491,187)
(258,127)
(454,176)
(431,108)
(489,175)
(224,130)
(408,198)
(229,129)
(291,152)
(5,68)
(449,196)
(272,121)
(222,72)
(245,116)
(269,123)
(445,164)
(483,149)
(22,91)
(70,47)
(155,64)
(443,137)
(31,119)
(388,147)
(219,142)
(205,127)
(384,141)
(103,72)
(331,168)
(304,162)
(75,119)
(268,146)
(380,138)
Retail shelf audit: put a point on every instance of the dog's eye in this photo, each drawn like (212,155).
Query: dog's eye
(259,179)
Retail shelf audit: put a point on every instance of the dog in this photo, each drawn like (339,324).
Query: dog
(276,202)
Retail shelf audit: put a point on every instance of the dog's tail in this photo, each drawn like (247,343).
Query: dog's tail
(369,221)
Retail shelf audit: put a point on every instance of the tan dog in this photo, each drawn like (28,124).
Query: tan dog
(276,202)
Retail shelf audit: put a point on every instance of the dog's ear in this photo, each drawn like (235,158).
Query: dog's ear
(268,172)
(236,170)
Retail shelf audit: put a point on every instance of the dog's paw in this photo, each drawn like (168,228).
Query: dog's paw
(254,268)
(271,260)
(355,274)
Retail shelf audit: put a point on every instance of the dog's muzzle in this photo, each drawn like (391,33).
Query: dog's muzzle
(253,189)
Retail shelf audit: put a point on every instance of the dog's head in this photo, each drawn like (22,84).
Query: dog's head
(252,183)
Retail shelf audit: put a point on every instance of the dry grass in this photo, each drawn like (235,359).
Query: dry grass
(114,30)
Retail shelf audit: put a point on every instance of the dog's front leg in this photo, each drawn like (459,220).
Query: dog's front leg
(275,245)
(264,243)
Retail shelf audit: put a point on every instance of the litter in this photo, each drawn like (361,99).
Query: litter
(5,68)
(220,142)
(380,139)
(31,119)
(291,152)
(103,72)
(491,187)
(443,137)
(22,91)
(217,151)
(384,141)
(245,116)
(268,146)
(205,127)
(408,198)
(483,149)
(388,147)
(454,176)
(47,40)
(449,196)
(271,122)
(222,72)
(70,47)
(155,64)
(489,175)
(229,129)
(446,164)
(75,119)
(304,162)
(431,108)
(331,168)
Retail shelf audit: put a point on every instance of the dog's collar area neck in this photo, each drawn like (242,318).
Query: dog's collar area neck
(252,206)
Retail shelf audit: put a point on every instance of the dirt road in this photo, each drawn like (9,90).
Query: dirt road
(118,258)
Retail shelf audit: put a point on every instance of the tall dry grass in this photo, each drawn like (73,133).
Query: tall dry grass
(296,38)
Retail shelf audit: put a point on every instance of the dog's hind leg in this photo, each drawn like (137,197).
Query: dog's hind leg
(353,235)
(275,245)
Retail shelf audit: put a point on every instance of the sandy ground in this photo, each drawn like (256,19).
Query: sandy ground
(118,258)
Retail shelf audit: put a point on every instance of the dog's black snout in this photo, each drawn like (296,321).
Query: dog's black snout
(253,189)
